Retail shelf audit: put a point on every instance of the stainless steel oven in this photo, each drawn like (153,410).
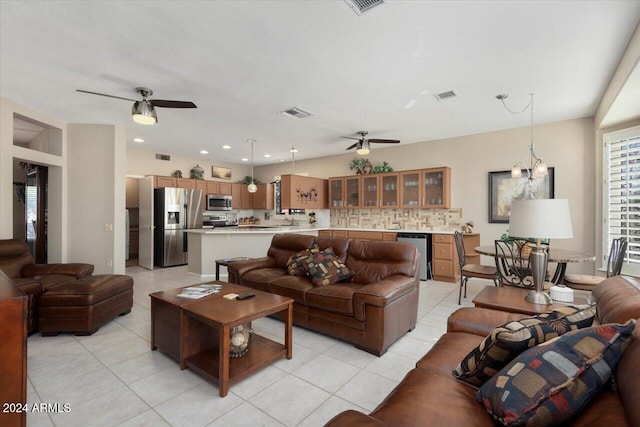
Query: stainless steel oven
(216,202)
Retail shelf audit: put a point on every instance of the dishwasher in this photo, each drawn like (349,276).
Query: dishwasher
(422,242)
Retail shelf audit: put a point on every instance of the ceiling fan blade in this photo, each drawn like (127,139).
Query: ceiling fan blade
(353,146)
(104,94)
(384,141)
(351,137)
(171,104)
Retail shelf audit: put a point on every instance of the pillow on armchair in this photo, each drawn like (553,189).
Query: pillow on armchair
(507,341)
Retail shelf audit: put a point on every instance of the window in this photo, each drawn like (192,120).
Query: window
(621,194)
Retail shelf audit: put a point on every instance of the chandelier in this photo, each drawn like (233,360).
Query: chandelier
(537,168)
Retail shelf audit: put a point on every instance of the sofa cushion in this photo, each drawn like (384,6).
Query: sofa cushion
(285,245)
(374,261)
(293,287)
(324,268)
(293,265)
(547,384)
(260,278)
(14,256)
(337,298)
(507,341)
(52,280)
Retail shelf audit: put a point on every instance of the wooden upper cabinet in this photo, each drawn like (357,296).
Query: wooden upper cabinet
(225,188)
(263,198)
(303,192)
(370,191)
(389,190)
(336,192)
(352,192)
(164,181)
(236,196)
(410,189)
(246,198)
(213,187)
(436,188)
(189,184)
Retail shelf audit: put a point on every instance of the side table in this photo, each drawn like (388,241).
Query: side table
(511,299)
(225,262)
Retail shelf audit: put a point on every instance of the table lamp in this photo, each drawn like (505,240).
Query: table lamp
(540,219)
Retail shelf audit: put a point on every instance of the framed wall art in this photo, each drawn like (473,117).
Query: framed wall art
(220,172)
(503,190)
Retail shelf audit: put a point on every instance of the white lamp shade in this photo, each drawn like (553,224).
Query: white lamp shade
(252,188)
(144,113)
(540,219)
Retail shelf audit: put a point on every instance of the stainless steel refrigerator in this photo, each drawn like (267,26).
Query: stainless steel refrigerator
(175,211)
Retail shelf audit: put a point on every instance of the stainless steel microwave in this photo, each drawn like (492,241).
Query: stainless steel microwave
(216,202)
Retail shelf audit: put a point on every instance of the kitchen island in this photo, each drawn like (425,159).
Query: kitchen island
(208,245)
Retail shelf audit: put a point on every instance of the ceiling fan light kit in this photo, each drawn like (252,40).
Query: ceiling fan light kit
(363,146)
(143,113)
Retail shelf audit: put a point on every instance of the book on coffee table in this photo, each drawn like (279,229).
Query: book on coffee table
(199,291)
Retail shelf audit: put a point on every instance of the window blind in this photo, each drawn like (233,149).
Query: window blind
(622,191)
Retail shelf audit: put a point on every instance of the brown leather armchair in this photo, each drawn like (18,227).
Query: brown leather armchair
(31,278)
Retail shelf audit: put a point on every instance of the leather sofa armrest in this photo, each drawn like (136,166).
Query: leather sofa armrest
(383,292)
(238,268)
(479,321)
(353,418)
(78,270)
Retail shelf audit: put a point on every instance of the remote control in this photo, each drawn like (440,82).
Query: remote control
(245,296)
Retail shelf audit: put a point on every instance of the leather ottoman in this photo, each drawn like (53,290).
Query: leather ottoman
(82,306)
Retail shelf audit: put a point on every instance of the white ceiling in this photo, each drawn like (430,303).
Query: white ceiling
(242,62)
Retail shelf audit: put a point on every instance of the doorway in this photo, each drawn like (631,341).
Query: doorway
(30,219)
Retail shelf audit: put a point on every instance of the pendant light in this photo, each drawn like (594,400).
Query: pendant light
(537,168)
(252,188)
(293,159)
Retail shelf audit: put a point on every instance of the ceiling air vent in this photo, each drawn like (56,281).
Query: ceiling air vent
(362,6)
(163,157)
(445,95)
(296,112)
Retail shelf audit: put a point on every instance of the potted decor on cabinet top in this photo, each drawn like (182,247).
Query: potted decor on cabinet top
(361,165)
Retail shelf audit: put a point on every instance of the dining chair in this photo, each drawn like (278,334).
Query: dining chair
(468,271)
(586,282)
(513,263)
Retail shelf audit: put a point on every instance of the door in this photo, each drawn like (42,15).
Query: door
(145,238)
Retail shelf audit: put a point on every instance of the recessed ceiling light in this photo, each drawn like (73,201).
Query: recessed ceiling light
(204,152)
(226,147)
(138,140)
(293,150)
(267,155)
(244,159)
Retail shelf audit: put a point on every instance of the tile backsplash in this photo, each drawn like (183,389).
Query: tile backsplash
(401,219)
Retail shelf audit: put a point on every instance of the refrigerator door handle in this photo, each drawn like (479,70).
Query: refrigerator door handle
(184,242)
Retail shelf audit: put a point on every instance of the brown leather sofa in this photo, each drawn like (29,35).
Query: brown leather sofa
(64,297)
(430,396)
(372,309)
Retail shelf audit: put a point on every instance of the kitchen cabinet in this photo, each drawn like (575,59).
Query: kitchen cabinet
(246,198)
(410,186)
(164,181)
(360,234)
(369,191)
(186,183)
(213,187)
(389,190)
(344,192)
(236,196)
(445,264)
(225,188)
(303,192)
(263,198)
(436,188)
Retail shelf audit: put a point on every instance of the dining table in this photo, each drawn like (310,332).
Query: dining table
(559,256)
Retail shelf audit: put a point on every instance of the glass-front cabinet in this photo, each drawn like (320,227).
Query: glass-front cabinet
(389,190)
(436,188)
(369,191)
(410,193)
(336,193)
(352,197)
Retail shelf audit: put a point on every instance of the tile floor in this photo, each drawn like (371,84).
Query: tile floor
(112,378)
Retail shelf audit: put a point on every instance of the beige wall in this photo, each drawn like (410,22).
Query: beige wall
(143,162)
(567,146)
(96,159)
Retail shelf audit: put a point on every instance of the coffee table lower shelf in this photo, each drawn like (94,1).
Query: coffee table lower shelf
(262,352)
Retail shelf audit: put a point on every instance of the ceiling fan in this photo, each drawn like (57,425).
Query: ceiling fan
(144,112)
(362,146)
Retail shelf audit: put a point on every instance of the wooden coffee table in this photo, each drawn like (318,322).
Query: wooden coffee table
(195,333)
(511,299)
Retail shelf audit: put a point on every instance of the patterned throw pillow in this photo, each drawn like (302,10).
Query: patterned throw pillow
(325,268)
(507,341)
(293,265)
(547,384)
